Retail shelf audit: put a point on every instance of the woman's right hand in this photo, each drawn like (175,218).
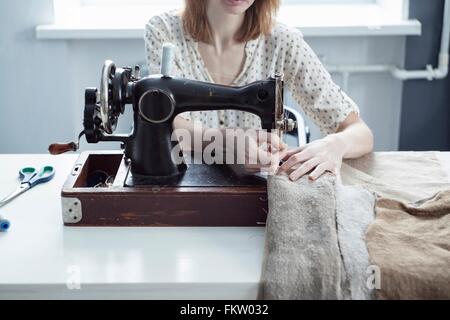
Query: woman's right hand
(257,150)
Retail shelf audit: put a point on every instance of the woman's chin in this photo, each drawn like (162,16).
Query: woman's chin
(236,6)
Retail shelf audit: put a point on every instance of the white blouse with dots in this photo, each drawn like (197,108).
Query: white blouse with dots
(283,51)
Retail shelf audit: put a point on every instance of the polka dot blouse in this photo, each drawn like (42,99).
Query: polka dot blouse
(284,50)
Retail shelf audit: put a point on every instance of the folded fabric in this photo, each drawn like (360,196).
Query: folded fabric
(404,176)
(305,255)
(411,245)
(354,212)
(303,260)
(409,241)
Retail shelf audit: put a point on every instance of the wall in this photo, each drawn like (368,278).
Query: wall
(425,121)
(36,93)
(378,95)
(43,81)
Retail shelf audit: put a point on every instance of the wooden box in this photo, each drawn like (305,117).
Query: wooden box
(213,196)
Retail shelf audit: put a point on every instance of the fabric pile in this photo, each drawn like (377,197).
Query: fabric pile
(411,244)
(301,231)
(318,232)
(403,176)
(305,256)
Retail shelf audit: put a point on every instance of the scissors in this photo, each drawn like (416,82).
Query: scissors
(30,178)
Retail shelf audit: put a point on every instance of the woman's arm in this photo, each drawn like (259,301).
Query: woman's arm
(337,115)
(353,139)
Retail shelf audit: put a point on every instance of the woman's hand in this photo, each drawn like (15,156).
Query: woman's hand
(314,159)
(352,140)
(258,150)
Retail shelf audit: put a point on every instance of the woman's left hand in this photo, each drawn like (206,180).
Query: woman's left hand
(314,159)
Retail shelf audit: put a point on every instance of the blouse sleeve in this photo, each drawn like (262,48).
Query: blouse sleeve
(312,87)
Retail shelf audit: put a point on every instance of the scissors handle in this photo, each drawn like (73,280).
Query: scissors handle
(26,174)
(30,178)
(44,175)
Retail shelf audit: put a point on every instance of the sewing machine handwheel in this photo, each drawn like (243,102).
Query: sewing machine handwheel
(92,121)
(119,90)
(108,115)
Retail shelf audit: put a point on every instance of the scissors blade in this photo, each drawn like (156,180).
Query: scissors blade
(20,189)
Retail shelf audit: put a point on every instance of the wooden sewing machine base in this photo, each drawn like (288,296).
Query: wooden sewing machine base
(209,196)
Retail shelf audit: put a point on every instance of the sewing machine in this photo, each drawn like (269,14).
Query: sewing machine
(144,185)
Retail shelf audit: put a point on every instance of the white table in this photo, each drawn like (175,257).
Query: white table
(39,257)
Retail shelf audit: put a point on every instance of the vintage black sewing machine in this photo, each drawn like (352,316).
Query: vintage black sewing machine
(144,185)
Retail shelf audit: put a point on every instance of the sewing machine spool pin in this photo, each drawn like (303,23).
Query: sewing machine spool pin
(168,55)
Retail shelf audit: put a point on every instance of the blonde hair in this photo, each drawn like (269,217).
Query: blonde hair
(259,19)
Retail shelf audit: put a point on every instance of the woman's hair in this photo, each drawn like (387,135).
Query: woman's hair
(259,19)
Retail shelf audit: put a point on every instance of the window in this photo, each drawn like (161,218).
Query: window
(129,2)
(136,12)
(179,2)
(127,18)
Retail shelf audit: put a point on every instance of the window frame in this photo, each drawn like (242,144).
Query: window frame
(386,18)
(84,11)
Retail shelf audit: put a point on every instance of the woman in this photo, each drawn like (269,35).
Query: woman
(235,42)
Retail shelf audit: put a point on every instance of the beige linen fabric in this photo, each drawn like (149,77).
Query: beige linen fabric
(410,239)
(314,246)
